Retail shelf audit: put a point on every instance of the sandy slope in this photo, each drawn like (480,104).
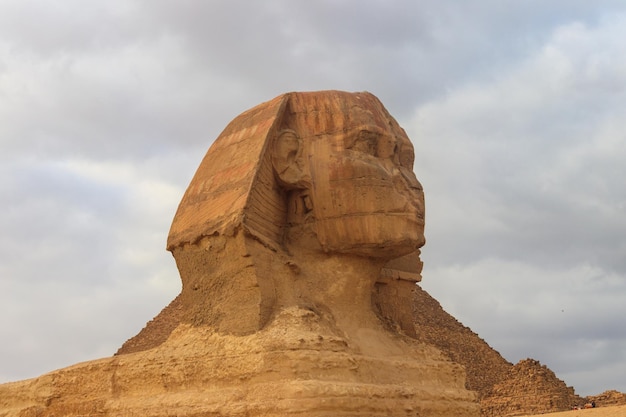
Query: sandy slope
(615,411)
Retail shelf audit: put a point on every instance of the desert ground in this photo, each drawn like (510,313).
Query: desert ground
(614,411)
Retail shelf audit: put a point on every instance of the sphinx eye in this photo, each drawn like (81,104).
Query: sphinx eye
(366,142)
(386,146)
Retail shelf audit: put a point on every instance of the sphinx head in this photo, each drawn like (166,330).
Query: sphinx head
(301,179)
(328,170)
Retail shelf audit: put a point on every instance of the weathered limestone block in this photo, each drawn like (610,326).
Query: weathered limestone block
(297,365)
(299,232)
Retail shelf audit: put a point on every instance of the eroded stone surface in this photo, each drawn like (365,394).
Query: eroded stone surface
(295,214)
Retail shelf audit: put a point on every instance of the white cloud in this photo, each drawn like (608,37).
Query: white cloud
(529,146)
(85,256)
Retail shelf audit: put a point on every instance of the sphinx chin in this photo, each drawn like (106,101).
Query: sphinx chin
(378,235)
(390,251)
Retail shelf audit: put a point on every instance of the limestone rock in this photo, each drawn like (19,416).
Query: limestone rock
(300,230)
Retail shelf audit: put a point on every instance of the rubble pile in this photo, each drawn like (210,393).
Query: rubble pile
(608,398)
(530,388)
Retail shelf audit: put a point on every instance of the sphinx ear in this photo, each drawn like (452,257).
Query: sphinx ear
(287,161)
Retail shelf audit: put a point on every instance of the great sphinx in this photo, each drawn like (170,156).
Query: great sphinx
(304,180)
(297,242)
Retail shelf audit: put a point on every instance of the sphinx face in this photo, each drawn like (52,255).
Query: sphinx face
(364,198)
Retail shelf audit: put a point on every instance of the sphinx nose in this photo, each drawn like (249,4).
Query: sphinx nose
(404,175)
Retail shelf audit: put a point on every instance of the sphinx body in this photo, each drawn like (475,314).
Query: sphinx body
(297,243)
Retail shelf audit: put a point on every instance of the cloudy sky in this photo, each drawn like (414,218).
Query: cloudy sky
(517,110)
